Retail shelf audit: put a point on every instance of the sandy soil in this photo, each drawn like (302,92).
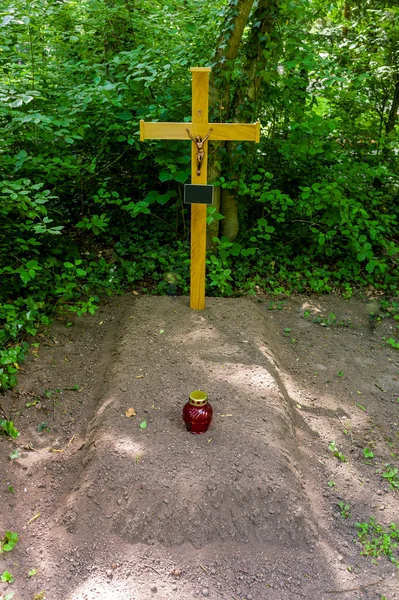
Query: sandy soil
(138,508)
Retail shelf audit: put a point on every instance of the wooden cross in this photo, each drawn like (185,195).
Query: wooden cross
(199,127)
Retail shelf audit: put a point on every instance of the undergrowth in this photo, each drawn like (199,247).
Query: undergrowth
(378,540)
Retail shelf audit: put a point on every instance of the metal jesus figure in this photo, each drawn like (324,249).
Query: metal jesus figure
(199,141)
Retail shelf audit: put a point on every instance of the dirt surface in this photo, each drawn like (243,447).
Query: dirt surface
(138,508)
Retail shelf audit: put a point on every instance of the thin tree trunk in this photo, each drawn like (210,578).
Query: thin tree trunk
(245,103)
(347,17)
(394,108)
(219,88)
(225,56)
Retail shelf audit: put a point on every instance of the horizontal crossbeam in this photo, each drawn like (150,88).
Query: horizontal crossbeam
(220,131)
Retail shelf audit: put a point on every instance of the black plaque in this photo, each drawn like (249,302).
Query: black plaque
(198,194)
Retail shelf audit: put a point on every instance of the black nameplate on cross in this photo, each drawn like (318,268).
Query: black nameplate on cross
(198,194)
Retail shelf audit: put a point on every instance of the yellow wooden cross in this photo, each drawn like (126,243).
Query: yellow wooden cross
(199,127)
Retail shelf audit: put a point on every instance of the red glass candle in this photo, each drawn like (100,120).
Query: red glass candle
(197,413)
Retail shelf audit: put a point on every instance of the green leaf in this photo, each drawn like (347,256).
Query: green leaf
(165,176)
(368,453)
(33,572)
(125,116)
(181,176)
(143,424)
(8,428)
(16,103)
(163,199)
(24,275)
(7,577)
(15,454)
(236,249)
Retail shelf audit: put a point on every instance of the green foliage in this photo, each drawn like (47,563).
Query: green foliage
(336,452)
(378,540)
(391,474)
(8,542)
(6,577)
(33,573)
(367,453)
(344,509)
(7,428)
(87,210)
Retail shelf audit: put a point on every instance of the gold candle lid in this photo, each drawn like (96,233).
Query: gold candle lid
(198,398)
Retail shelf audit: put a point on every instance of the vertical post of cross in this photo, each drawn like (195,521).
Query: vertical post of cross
(200,86)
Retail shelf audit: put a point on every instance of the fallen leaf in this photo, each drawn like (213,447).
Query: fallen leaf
(135,293)
(161,331)
(143,424)
(139,376)
(130,412)
(228,415)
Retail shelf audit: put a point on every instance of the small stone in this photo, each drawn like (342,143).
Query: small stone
(109,573)
(174,588)
(154,589)
(205,592)
(340,557)
(379,492)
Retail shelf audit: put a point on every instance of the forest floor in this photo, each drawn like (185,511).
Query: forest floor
(304,443)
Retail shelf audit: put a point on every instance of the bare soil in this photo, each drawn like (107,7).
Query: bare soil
(108,509)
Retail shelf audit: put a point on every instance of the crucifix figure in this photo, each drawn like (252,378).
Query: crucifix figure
(200,145)
(201,130)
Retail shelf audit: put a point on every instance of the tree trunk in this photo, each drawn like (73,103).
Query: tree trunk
(212,229)
(225,56)
(394,108)
(245,105)
(230,225)
(347,17)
